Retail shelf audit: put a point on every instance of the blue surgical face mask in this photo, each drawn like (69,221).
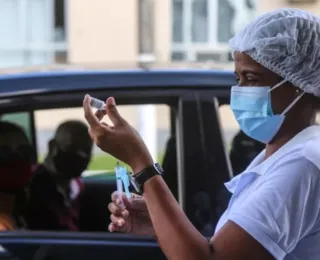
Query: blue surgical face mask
(253,110)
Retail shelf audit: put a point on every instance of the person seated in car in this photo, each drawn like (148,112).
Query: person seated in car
(56,185)
(243,150)
(16,160)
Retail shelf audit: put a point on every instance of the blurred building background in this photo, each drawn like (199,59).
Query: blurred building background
(107,31)
(41,32)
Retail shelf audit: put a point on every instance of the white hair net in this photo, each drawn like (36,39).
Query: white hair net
(287,42)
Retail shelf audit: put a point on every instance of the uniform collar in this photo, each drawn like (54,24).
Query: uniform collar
(258,163)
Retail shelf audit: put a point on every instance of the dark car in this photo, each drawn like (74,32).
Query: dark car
(196,163)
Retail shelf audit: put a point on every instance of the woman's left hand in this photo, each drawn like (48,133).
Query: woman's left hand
(120,140)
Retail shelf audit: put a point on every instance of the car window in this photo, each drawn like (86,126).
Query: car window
(229,125)
(46,122)
(22,119)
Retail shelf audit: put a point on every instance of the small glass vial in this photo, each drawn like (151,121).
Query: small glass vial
(97,103)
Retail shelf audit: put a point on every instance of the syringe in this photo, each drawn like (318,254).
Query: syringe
(125,180)
(97,103)
(119,184)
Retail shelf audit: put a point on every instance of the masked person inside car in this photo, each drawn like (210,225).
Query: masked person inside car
(56,187)
(274,211)
(16,160)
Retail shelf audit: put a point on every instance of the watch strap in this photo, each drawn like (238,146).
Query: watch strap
(146,174)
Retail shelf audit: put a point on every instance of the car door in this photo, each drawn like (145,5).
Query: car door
(204,162)
(201,162)
(77,246)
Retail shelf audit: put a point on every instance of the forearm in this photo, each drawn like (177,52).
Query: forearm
(178,238)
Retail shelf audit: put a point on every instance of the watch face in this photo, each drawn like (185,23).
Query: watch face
(158,168)
(135,186)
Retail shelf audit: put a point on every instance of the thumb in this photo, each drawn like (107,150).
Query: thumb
(112,111)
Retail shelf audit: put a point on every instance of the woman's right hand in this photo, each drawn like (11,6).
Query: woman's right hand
(134,218)
(120,140)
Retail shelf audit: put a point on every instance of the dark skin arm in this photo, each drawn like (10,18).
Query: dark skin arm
(178,238)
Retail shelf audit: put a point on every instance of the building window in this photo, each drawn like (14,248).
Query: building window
(201,28)
(60,31)
(199,21)
(225,30)
(178,21)
(33,32)
(178,56)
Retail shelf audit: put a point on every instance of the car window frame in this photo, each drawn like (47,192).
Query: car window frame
(173,97)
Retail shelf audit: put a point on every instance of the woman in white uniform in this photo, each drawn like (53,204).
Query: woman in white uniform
(274,212)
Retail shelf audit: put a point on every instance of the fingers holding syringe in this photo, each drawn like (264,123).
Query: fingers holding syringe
(117,196)
(116,208)
(119,222)
(113,227)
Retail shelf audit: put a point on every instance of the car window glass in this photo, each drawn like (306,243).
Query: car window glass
(46,122)
(22,119)
(229,125)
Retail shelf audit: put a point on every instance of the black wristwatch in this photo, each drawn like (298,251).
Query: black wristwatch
(137,180)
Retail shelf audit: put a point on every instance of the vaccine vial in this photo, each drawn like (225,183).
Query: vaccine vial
(97,103)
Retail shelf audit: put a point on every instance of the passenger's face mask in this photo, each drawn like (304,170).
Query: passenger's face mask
(253,110)
(71,163)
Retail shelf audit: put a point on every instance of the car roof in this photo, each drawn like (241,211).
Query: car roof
(61,80)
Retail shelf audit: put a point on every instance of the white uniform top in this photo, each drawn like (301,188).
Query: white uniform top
(277,201)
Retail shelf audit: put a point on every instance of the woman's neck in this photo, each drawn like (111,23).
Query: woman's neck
(7,203)
(284,136)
